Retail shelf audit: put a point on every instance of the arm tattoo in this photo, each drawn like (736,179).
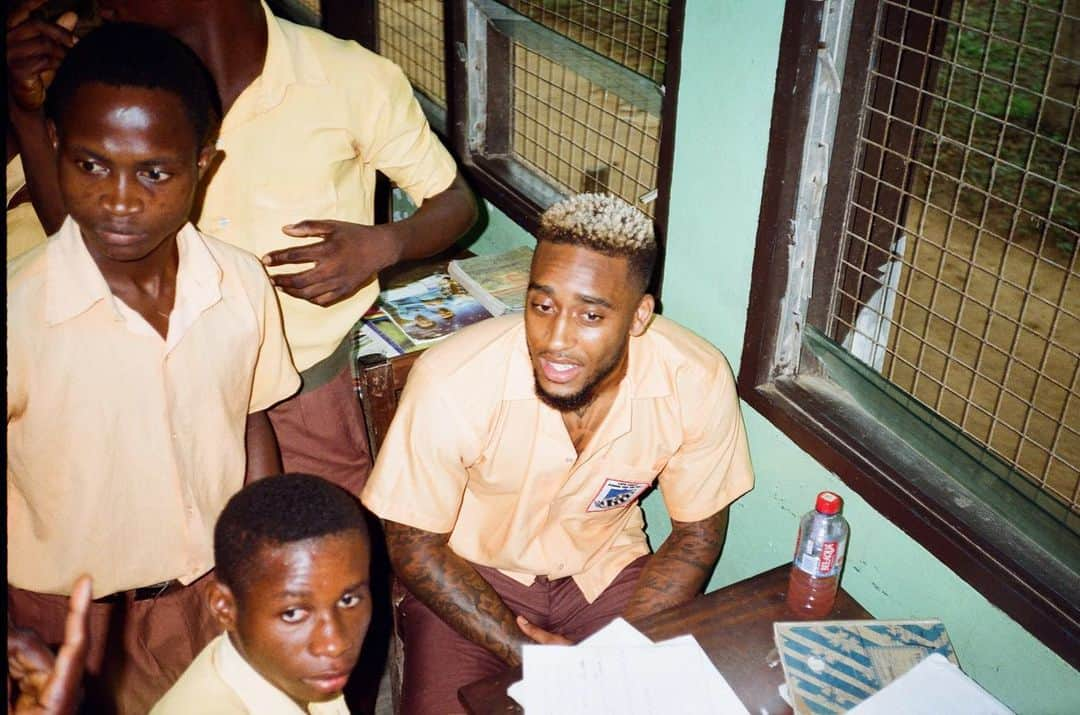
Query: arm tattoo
(679,569)
(451,587)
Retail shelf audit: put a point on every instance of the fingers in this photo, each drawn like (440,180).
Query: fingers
(298,254)
(310,228)
(19,14)
(27,653)
(41,30)
(61,691)
(539,635)
(35,50)
(68,21)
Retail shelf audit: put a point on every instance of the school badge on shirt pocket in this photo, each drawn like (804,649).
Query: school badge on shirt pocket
(616,493)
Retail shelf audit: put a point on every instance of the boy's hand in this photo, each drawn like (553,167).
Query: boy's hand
(47,685)
(35,49)
(346,260)
(539,635)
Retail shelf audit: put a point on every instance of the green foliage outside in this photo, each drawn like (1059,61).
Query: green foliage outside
(1008,85)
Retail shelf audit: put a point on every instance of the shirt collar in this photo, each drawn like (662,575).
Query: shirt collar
(74,283)
(257,693)
(645,375)
(286,63)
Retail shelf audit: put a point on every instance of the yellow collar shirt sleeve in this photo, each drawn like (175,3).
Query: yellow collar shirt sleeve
(24,229)
(472,451)
(123,447)
(304,141)
(221,682)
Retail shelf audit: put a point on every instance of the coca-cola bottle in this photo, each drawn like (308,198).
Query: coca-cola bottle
(819,556)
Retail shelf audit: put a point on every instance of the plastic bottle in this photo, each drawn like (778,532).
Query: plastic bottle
(819,556)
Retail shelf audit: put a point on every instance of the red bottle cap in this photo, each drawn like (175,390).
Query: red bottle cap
(829,503)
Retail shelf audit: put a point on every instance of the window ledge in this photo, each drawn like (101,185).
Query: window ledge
(995,557)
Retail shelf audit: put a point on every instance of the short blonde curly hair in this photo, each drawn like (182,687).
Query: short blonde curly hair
(605,224)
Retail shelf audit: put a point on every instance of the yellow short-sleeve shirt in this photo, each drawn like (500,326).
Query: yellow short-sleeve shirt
(304,141)
(473,452)
(123,447)
(220,682)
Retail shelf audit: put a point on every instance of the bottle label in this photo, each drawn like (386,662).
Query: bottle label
(823,563)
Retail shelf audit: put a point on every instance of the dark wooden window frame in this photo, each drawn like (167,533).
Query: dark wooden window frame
(806,405)
(491,174)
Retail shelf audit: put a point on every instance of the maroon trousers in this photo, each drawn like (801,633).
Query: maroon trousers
(137,649)
(322,432)
(439,661)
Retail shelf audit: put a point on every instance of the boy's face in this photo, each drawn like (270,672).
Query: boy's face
(129,165)
(581,310)
(301,617)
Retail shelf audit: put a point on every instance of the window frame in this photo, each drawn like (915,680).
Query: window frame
(891,476)
(499,180)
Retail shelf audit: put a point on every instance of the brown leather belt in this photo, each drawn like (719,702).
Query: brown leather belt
(144,593)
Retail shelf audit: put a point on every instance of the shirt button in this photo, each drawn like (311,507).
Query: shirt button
(569,459)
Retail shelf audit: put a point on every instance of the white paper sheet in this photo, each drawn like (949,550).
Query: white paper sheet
(619,671)
(932,687)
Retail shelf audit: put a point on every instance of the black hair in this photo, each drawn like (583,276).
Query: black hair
(277,510)
(130,54)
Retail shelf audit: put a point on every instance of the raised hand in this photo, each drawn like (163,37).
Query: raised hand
(35,48)
(50,685)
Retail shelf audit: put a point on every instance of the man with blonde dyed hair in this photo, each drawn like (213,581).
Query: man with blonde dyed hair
(510,479)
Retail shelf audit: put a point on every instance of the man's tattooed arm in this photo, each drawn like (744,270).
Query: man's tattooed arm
(680,568)
(451,587)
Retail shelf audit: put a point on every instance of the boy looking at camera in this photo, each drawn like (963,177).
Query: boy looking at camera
(291,592)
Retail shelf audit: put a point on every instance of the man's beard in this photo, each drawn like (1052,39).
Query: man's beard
(583,397)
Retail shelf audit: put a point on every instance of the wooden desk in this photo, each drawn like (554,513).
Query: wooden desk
(733,625)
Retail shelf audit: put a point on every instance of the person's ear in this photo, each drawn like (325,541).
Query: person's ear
(222,603)
(54,136)
(206,158)
(642,315)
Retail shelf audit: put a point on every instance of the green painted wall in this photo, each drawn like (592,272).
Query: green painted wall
(725,101)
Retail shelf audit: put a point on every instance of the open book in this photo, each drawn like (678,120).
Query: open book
(497,280)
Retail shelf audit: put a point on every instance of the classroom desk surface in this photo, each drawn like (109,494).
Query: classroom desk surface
(735,627)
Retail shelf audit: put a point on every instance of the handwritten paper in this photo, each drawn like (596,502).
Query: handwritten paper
(619,671)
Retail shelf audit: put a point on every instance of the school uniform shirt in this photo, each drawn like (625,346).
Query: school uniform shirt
(474,452)
(220,682)
(124,446)
(303,141)
(24,229)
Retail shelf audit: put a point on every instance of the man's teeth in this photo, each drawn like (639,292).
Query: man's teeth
(560,367)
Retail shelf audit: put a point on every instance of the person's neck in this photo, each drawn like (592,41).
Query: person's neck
(230,38)
(152,275)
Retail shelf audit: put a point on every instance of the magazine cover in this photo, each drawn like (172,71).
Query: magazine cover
(832,666)
(499,280)
(431,308)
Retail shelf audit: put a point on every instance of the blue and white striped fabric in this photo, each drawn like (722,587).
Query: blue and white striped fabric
(832,666)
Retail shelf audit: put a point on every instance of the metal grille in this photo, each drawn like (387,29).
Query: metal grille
(581,136)
(631,32)
(958,278)
(411,34)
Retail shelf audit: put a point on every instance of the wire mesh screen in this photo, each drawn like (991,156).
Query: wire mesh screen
(958,275)
(411,34)
(631,32)
(581,136)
